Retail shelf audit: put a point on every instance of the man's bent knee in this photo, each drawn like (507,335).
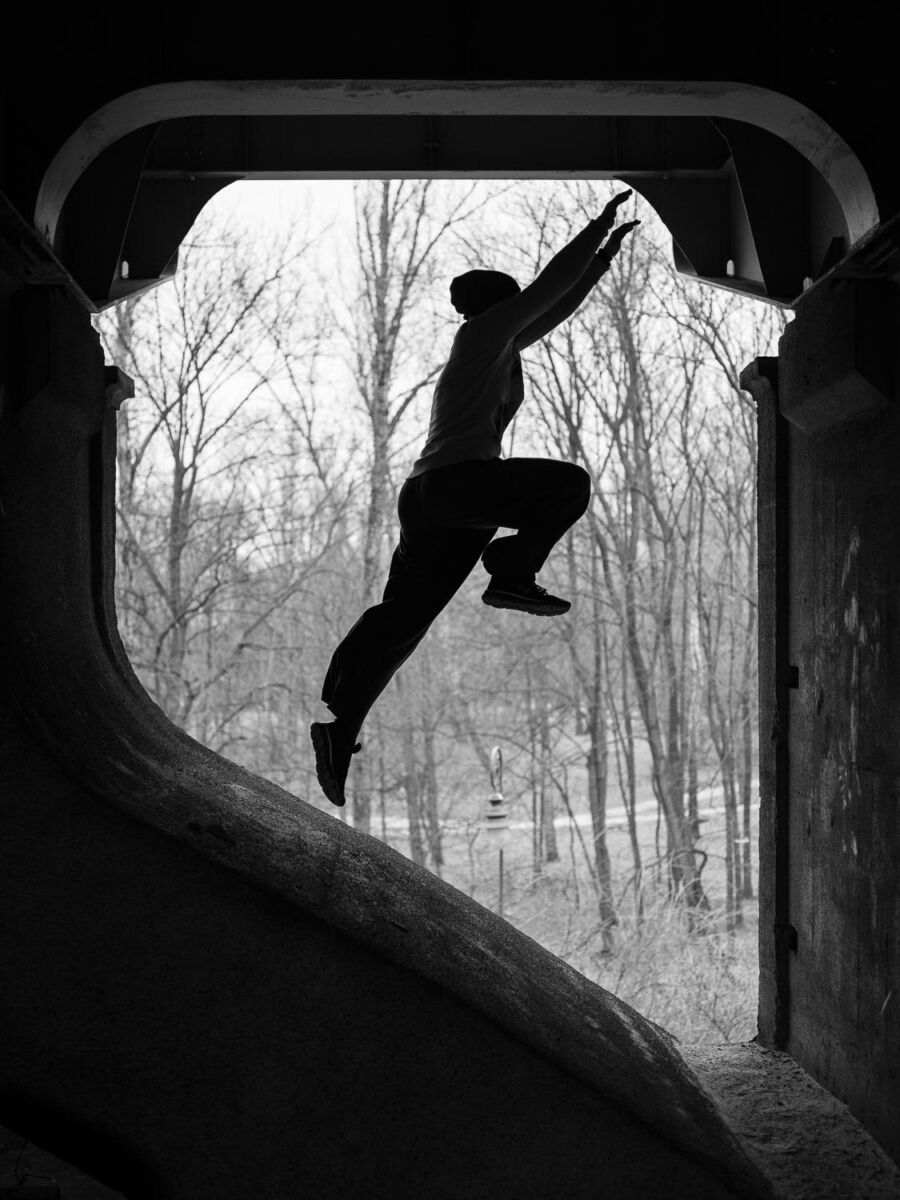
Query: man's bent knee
(580,486)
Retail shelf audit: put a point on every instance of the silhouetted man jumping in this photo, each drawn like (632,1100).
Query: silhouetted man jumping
(460,491)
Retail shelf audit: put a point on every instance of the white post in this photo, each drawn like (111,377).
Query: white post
(496,819)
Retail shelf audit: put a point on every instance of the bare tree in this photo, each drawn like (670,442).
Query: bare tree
(212,504)
(602,405)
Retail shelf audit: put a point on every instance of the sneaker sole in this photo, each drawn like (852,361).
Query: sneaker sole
(328,781)
(523,606)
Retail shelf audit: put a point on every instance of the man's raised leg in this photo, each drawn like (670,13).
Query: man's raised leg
(539,498)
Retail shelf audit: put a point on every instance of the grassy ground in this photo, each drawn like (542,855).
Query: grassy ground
(700,983)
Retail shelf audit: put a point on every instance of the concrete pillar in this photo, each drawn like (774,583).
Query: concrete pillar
(838,389)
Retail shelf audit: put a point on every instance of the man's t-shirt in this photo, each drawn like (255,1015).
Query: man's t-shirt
(478,393)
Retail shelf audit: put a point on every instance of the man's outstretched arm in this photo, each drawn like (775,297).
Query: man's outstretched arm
(564,271)
(567,304)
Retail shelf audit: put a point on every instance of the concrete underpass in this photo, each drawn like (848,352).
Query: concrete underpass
(209,987)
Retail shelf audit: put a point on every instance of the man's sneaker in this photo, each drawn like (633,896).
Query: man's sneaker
(525,597)
(333,751)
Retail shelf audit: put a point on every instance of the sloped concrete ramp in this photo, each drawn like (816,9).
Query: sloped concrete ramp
(246,998)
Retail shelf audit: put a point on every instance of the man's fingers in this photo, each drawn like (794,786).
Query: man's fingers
(617,237)
(608,216)
(613,205)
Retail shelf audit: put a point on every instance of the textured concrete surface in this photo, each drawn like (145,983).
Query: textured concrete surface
(844,742)
(25,1167)
(809,1144)
(837,357)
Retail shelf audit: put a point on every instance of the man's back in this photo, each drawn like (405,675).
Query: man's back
(476,396)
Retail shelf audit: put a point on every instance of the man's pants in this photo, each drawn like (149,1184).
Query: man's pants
(448,517)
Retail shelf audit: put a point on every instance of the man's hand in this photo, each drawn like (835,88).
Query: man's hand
(608,217)
(616,238)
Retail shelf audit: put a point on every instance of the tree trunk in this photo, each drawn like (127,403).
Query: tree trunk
(746,785)
(693,783)
(685,871)
(537,797)
(430,796)
(734,910)
(597,765)
(598,759)
(360,788)
(547,796)
(412,792)
(625,757)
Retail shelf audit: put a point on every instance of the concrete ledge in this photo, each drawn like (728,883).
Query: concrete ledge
(808,1144)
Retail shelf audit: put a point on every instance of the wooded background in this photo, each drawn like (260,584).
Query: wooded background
(283,387)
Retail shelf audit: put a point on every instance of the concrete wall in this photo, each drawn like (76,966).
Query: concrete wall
(838,378)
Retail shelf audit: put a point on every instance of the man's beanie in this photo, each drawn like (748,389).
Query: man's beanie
(475,291)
